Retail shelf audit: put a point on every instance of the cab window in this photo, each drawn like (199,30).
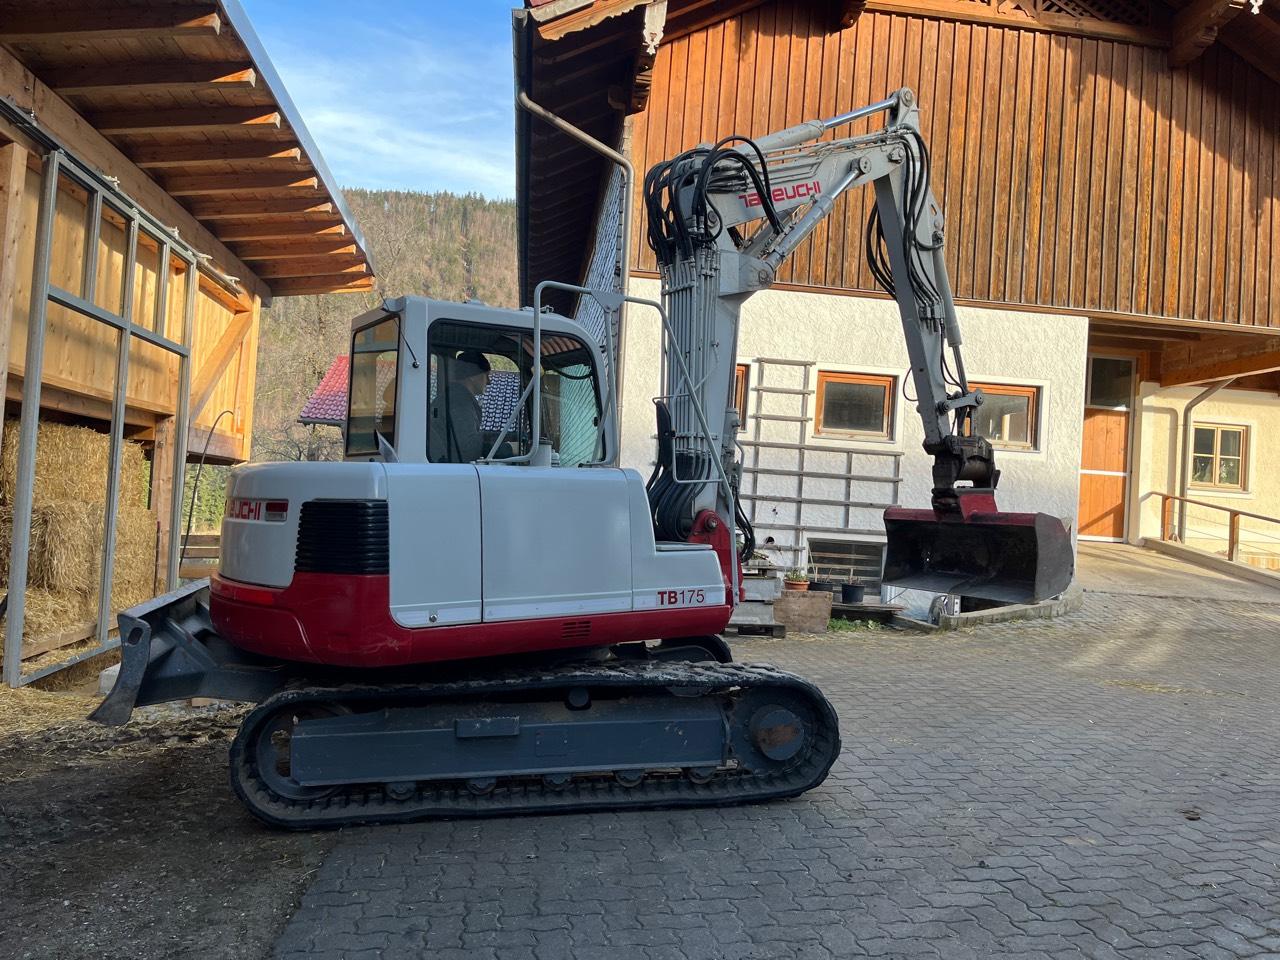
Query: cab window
(371,402)
(478,375)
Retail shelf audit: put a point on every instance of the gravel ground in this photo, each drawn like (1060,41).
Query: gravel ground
(128,842)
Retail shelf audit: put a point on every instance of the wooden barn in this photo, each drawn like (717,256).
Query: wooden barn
(1108,172)
(157,189)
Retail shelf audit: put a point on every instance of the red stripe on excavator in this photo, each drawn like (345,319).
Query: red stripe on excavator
(346,620)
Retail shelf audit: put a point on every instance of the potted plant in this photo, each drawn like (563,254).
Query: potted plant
(852,592)
(795,579)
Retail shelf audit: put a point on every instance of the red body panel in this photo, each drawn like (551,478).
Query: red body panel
(345,620)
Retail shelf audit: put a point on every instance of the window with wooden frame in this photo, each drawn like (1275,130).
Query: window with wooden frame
(854,405)
(1009,415)
(1218,456)
(741,374)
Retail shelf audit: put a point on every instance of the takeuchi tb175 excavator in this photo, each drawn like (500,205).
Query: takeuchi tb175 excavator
(478,612)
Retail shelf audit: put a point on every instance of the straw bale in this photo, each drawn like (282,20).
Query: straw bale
(49,612)
(71,464)
(69,558)
(135,559)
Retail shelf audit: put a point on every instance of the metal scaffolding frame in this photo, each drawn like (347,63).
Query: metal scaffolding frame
(101,193)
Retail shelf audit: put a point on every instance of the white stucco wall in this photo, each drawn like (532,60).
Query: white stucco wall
(1158,444)
(864,334)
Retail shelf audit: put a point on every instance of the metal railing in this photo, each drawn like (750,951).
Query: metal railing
(1169,523)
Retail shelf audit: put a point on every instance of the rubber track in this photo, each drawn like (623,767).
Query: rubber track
(370,803)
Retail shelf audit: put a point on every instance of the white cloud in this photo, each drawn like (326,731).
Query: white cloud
(400,112)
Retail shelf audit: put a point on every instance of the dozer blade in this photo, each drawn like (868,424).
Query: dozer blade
(170,651)
(1005,557)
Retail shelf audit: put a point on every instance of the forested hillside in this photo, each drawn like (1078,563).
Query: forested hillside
(435,244)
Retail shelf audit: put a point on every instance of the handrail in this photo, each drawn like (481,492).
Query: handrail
(1167,501)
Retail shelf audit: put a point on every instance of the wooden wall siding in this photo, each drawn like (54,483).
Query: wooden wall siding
(80,353)
(1075,173)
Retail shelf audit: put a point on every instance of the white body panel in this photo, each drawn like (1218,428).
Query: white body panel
(435,543)
(262,551)
(689,570)
(557,542)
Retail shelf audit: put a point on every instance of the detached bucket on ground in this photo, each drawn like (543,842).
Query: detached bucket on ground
(1005,557)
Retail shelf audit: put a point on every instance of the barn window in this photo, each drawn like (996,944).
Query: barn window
(1009,416)
(1218,456)
(854,405)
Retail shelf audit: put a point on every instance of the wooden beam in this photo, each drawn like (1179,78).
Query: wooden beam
(216,184)
(352,265)
(296,249)
(1219,359)
(966,11)
(160,156)
(299,286)
(67,125)
(585,17)
(163,77)
(1196,25)
(655,18)
(114,123)
(13,180)
(300,208)
(57,24)
(214,363)
(278,228)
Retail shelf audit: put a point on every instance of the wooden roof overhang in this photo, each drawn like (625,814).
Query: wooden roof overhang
(186,92)
(589,62)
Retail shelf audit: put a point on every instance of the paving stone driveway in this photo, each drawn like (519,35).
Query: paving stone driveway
(1105,785)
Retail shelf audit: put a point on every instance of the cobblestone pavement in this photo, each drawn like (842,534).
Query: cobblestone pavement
(1101,786)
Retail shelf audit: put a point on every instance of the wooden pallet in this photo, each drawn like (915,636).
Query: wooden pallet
(775,630)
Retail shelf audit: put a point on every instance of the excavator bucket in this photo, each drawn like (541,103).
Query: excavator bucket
(1005,557)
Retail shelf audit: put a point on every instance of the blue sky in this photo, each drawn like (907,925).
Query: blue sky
(400,94)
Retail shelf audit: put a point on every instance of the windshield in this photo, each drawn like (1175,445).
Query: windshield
(372,399)
(478,374)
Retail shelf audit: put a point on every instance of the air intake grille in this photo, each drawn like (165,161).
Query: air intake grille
(342,536)
(576,630)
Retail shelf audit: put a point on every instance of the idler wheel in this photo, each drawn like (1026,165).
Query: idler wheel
(777,732)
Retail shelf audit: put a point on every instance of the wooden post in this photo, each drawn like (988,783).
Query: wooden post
(13,182)
(162,494)
(1233,535)
(1166,517)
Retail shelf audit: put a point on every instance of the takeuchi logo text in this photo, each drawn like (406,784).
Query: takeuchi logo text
(796,191)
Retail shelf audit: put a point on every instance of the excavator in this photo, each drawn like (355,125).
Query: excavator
(478,612)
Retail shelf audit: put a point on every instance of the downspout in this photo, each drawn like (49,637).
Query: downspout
(1184,468)
(628,180)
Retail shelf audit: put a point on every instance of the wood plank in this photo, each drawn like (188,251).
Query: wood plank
(1196,26)
(13,185)
(58,24)
(220,184)
(77,633)
(160,77)
(296,249)
(981,13)
(335,265)
(114,123)
(1246,364)
(160,156)
(213,363)
(299,209)
(296,286)
(278,228)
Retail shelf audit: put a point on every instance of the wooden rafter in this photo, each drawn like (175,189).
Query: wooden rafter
(1218,359)
(585,17)
(278,228)
(1196,25)
(215,184)
(162,77)
(298,286)
(110,22)
(160,156)
(352,266)
(296,249)
(303,208)
(118,122)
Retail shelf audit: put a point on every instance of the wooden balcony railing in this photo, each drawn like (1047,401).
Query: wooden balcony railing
(200,555)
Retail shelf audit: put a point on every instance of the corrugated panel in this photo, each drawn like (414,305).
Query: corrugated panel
(1076,173)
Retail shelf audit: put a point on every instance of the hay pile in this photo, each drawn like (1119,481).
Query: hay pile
(67,526)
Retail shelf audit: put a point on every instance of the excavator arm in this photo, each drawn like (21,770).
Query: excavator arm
(722,219)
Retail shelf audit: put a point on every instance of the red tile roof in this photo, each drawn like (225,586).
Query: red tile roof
(328,402)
